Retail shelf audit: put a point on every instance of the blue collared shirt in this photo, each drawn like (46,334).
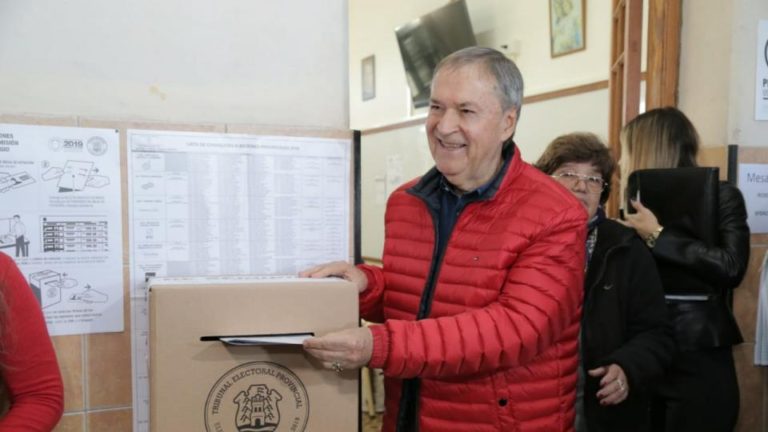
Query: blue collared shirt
(452,203)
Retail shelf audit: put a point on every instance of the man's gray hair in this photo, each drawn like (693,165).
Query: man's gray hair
(509,80)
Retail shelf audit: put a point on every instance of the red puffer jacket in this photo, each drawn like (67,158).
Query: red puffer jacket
(498,351)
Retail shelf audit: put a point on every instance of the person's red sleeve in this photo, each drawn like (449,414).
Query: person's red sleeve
(28,361)
(371,306)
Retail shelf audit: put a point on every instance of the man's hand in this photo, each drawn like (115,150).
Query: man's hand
(614,387)
(345,349)
(340,269)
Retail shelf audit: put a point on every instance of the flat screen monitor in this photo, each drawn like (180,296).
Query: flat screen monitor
(425,41)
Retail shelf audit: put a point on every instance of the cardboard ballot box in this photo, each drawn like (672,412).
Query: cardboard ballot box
(200,383)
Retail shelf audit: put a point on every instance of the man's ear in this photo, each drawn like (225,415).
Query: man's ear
(510,123)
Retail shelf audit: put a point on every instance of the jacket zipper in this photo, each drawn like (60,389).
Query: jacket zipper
(412,385)
(589,301)
(429,288)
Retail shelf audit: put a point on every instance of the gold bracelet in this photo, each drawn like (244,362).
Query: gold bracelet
(650,240)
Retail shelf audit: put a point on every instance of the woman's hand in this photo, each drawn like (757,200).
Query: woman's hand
(345,349)
(644,221)
(613,386)
(340,269)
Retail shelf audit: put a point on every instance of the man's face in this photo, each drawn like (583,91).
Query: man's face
(466,126)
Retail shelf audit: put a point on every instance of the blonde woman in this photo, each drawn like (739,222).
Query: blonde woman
(700,391)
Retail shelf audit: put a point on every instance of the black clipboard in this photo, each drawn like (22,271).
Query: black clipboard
(684,198)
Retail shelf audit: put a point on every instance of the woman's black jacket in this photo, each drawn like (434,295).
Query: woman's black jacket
(688,266)
(625,322)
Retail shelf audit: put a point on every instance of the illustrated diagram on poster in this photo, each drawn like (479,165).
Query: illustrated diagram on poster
(212,204)
(51,288)
(76,176)
(61,222)
(11,181)
(13,236)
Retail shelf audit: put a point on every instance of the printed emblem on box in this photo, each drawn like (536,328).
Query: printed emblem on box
(257,397)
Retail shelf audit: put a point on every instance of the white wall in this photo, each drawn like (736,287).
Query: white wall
(528,22)
(717,70)
(372,26)
(235,61)
(410,150)
(705,68)
(743,129)
(496,22)
(544,121)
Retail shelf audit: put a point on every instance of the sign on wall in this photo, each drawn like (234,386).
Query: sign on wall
(761,85)
(753,183)
(61,221)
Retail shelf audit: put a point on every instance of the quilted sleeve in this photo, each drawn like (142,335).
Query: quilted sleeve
(540,300)
(371,299)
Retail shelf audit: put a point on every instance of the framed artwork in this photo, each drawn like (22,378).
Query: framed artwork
(369,77)
(567,26)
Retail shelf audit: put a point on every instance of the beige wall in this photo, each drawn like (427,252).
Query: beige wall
(705,60)
(717,70)
(235,61)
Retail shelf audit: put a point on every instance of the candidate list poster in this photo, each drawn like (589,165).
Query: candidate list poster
(61,222)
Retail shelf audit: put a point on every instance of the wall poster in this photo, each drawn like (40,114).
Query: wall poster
(61,221)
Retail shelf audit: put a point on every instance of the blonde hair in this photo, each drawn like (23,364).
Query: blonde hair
(659,138)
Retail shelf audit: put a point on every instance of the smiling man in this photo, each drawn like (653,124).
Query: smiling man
(480,290)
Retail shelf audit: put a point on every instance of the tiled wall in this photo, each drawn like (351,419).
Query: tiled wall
(97,381)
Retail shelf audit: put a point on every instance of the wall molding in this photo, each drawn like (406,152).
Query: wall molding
(565,92)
